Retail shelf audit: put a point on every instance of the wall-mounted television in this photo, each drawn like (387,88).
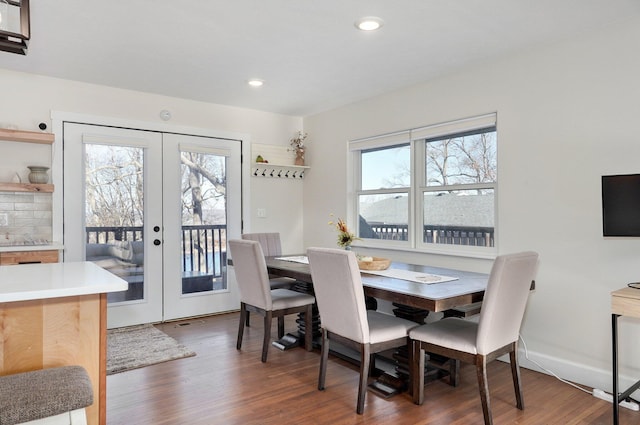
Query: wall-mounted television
(621,205)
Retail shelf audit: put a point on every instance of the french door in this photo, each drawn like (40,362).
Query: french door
(155,209)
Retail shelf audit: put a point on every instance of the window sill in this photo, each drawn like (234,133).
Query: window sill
(445,250)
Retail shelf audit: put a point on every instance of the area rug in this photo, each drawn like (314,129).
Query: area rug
(139,346)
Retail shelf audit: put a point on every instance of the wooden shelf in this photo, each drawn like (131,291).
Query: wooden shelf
(26,187)
(266,169)
(26,136)
(280,163)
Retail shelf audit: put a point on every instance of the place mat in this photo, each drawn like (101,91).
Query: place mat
(303,259)
(412,276)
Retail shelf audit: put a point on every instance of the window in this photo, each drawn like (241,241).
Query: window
(431,188)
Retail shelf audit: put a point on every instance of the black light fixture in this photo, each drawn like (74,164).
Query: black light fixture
(14,26)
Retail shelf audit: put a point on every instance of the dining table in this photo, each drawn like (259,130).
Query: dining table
(454,288)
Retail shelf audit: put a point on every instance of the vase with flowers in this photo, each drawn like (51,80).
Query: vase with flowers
(297,145)
(345,237)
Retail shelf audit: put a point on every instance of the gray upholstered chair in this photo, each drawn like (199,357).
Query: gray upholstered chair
(344,317)
(271,247)
(256,294)
(495,334)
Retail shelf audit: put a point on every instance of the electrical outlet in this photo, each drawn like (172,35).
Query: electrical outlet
(4,219)
(261,213)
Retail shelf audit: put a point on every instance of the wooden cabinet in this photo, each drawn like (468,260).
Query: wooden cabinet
(28,257)
(26,137)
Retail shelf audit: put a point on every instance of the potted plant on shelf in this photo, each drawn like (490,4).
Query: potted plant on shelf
(297,143)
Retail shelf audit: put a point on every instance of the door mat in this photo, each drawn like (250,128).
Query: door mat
(134,347)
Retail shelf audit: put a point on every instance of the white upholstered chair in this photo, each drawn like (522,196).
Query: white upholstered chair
(495,334)
(256,294)
(344,317)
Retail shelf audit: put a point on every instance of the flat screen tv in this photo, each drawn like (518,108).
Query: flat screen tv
(621,205)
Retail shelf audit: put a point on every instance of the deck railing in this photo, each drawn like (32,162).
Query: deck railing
(451,235)
(202,245)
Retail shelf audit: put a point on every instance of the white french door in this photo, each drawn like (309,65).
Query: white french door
(155,209)
(201,186)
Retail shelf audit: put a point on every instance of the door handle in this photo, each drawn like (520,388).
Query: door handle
(156,242)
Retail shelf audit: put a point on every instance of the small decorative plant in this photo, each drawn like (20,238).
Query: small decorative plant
(297,143)
(345,237)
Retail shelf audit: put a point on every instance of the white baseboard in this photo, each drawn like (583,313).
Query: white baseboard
(577,373)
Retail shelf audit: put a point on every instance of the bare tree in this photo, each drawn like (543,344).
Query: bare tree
(462,160)
(203,181)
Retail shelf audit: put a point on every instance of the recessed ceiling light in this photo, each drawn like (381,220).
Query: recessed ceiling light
(369,23)
(255,82)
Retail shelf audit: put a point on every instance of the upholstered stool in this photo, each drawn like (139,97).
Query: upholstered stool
(57,395)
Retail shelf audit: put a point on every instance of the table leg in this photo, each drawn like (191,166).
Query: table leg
(614,347)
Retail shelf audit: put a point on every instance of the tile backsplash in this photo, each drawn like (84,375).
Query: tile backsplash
(28,216)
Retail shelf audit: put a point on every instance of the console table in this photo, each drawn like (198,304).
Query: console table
(624,302)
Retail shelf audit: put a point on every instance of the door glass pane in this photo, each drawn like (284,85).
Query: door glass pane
(114,207)
(204,222)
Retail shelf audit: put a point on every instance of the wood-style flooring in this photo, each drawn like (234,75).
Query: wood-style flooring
(221,385)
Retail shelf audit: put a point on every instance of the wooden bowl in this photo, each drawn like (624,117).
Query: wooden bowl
(377,263)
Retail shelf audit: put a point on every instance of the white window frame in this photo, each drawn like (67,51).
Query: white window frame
(415,138)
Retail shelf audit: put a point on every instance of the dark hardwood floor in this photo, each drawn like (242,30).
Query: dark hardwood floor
(221,385)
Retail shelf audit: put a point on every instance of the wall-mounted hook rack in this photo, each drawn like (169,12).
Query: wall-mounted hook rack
(282,171)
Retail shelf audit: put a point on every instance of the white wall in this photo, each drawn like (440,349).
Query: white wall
(567,114)
(29,99)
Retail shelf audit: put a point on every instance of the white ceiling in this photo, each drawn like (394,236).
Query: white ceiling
(308,51)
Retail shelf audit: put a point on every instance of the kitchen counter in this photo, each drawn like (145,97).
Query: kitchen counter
(53,246)
(55,314)
(43,281)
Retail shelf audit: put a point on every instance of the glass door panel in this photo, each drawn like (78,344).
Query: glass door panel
(204,221)
(114,214)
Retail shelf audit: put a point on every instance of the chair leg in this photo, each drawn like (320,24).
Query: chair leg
(324,358)
(266,341)
(417,372)
(308,328)
(515,373)
(365,359)
(243,315)
(280,327)
(410,365)
(247,320)
(454,372)
(483,386)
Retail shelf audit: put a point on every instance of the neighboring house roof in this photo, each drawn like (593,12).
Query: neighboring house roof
(443,210)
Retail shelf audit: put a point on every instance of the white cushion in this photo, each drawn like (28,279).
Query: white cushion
(452,332)
(384,327)
(285,298)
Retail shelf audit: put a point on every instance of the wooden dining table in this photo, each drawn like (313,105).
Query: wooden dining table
(467,288)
